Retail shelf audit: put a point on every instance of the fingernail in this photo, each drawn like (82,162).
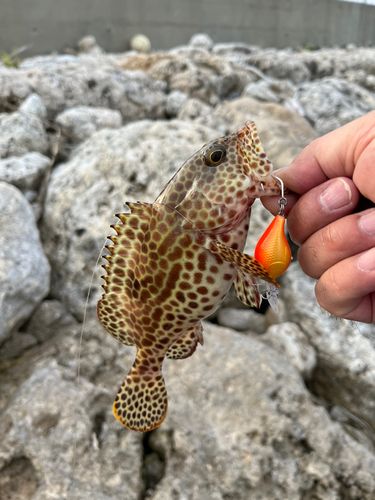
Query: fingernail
(366,261)
(336,195)
(367,223)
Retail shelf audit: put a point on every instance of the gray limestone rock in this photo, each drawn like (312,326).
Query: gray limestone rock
(270,90)
(194,109)
(175,101)
(331,102)
(49,317)
(112,167)
(345,371)
(25,172)
(290,341)
(23,131)
(280,64)
(241,320)
(24,269)
(97,80)
(201,40)
(69,445)
(242,425)
(79,123)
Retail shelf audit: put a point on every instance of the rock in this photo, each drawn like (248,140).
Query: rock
(345,371)
(48,318)
(175,101)
(194,109)
(242,425)
(195,72)
(14,346)
(283,132)
(33,105)
(331,102)
(241,320)
(89,45)
(270,90)
(290,341)
(140,43)
(79,123)
(113,166)
(96,80)
(29,173)
(25,172)
(201,40)
(23,131)
(67,441)
(280,64)
(24,269)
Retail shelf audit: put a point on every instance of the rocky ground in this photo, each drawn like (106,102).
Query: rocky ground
(275,405)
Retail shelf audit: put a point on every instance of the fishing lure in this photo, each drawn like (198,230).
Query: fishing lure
(273,250)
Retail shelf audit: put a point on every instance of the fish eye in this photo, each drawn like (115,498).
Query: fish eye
(215,155)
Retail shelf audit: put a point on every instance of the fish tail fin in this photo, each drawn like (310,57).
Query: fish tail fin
(141,402)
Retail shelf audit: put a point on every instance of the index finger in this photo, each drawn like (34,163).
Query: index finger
(346,152)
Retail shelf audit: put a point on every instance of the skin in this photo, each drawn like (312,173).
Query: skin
(331,216)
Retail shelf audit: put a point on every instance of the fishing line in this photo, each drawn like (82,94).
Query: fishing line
(79,351)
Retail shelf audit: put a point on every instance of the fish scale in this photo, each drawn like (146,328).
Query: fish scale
(172,262)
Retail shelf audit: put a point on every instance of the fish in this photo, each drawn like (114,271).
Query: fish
(171,263)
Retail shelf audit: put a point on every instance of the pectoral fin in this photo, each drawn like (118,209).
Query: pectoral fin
(246,290)
(250,272)
(245,264)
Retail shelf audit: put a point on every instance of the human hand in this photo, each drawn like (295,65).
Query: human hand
(333,185)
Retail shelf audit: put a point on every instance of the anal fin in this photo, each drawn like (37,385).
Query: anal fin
(185,345)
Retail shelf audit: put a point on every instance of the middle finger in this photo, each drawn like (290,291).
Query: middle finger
(338,240)
(320,206)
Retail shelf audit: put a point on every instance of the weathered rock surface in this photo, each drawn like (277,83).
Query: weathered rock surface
(241,424)
(345,370)
(25,172)
(241,320)
(112,167)
(23,131)
(59,430)
(289,340)
(24,269)
(270,90)
(331,102)
(66,81)
(79,123)
(259,436)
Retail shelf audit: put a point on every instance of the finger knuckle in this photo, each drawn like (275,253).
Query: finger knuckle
(331,237)
(327,291)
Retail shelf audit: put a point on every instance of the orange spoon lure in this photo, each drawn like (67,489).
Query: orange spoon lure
(273,250)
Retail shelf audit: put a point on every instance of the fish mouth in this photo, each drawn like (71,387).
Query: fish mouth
(250,153)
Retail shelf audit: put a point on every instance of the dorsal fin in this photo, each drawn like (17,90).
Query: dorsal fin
(122,268)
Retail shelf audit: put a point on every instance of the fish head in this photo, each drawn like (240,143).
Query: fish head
(220,182)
